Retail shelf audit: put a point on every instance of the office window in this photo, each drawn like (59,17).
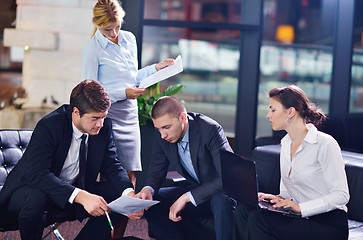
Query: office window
(210,60)
(356,89)
(297,48)
(194,10)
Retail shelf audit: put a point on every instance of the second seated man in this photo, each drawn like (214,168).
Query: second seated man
(191,142)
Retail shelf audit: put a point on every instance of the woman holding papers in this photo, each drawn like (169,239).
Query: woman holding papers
(110,57)
(313,181)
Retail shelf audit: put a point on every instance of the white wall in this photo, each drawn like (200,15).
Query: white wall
(55,31)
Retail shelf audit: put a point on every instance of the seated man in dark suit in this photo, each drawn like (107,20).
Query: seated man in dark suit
(59,169)
(191,142)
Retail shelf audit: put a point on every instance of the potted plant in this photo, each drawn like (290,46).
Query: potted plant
(145,103)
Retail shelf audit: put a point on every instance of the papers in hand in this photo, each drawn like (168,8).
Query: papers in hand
(164,73)
(126,205)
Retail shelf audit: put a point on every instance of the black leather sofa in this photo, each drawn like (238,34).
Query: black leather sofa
(268,173)
(12,146)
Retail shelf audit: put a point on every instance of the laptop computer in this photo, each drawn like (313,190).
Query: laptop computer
(240,182)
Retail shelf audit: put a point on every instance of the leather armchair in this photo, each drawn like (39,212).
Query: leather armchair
(13,144)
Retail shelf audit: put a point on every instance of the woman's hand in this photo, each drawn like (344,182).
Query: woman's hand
(163,64)
(288,204)
(134,92)
(270,197)
(279,201)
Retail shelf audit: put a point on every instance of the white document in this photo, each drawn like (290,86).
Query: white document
(164,73)
(126,205)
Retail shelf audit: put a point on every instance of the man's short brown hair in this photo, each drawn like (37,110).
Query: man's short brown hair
(167,105)
(89,96)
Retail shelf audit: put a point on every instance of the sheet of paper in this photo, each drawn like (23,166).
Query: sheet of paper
(126,205)
(164,73)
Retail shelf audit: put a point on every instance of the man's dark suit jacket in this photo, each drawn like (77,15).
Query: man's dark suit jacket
(206,139)
(44,158)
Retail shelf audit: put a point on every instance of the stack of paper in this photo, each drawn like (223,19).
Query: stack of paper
(164,73)
(126,205)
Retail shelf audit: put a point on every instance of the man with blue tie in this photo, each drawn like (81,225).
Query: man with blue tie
(191,142)
(59,170)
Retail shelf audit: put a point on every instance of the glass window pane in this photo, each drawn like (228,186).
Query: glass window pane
(210,73)
(194,10)
(296,49)
(356,89)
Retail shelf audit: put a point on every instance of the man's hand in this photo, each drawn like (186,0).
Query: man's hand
(95,205)
(177,207)
(134,92)
(145,194)
(163,64)
(136,215)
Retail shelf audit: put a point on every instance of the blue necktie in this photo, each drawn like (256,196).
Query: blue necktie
(186,160)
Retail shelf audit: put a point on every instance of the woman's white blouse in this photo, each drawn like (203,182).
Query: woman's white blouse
(113,65)
(317,181)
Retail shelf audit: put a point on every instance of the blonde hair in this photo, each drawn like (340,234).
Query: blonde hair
(106,12)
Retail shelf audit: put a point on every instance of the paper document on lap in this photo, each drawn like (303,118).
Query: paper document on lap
(164,73)
(126,205)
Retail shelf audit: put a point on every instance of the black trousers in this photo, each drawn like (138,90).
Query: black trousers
(220,206)
(255,225)
(30,204)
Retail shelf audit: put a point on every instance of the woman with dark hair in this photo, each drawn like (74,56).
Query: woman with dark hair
(313,181)
(110,57)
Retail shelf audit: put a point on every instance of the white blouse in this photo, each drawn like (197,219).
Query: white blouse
(113,65)
(315,177)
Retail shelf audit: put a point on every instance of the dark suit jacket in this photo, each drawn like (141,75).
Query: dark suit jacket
(206,139)
(44,158)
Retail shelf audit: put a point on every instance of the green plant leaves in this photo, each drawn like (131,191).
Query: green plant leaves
(146,102)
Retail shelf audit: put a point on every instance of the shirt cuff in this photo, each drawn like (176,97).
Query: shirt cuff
(73,195)
(145,72)
(191,198)
(118,95)
(149,187)
(127,191)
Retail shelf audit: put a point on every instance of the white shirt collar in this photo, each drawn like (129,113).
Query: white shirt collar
(104,41)
(76,133)
(311,136)
(186,135)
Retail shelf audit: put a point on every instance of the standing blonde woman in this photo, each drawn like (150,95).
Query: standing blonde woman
(110,57)
(313,181)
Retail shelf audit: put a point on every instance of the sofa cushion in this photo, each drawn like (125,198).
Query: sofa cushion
(354,131)
(354,171)
(355,230)
(12,146)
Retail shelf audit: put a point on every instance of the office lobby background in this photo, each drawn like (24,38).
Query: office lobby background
(234,52)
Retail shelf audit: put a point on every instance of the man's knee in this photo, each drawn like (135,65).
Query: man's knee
(29,199)
(36,199)
(221,201)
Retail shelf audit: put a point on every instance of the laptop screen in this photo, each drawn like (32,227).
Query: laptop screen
(239,178)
